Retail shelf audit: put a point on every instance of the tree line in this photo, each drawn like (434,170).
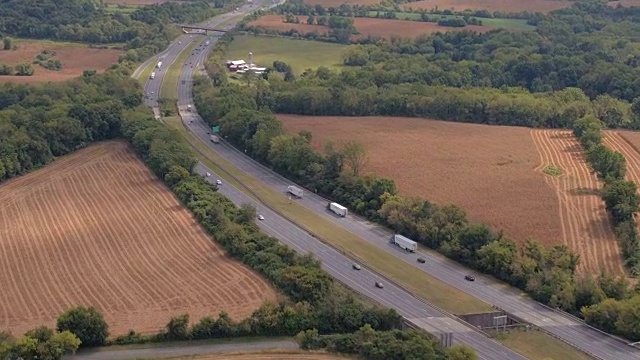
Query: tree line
(246,121)
(588,46)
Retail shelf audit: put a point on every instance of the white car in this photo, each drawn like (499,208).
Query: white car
(260,217)
(218,182)
(208,174)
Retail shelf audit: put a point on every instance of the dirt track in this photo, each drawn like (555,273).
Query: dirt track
(97,228)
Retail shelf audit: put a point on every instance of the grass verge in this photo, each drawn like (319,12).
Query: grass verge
(144,74)
(169,89)
(174,344)
(536,345)
(415,280)
(300,54)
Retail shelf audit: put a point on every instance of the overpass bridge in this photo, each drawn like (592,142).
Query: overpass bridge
(200,30)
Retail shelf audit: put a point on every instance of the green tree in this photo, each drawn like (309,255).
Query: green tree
(178,328)
(87,323)
(8,43)
(354,156)
(460,352)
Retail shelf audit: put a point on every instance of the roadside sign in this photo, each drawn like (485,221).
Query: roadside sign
(215,129)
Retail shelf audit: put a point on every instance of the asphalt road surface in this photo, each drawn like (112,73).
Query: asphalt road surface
(175,351)
(570,329)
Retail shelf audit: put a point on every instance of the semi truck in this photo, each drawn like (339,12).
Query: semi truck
(295,191)
(153,75)
(404,243)
(159,64)
(338,209)
(215,139)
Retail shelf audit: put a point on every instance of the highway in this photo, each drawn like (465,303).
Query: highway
(569,329)
(334,262)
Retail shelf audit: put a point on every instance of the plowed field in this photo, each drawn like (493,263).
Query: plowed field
(511,6)
(97,228)
(494,173)
(586,227)
(75,59)
(366,27)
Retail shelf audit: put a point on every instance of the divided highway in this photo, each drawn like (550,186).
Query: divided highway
(569,329)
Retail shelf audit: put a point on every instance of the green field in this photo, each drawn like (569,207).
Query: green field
(300,54)
(512,24)
(127,9)
(536,345)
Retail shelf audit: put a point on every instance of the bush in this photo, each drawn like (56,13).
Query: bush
(87,324)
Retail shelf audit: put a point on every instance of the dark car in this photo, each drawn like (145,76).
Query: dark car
(469,278)
(422,260)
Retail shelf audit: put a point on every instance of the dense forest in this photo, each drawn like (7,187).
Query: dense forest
(591,46)
(244,112)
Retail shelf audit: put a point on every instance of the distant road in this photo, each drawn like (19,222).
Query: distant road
(186,350)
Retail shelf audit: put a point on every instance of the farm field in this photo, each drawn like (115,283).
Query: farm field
(502,185)
(512,6)
(97,228)
(135,2)
(290,355)
(497,23)
(337,3)
(75,58)
(300,54)
(366,26)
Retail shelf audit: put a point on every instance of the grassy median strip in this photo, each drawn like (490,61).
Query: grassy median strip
(536,345)
(169,89)
(415,280)
(144,74)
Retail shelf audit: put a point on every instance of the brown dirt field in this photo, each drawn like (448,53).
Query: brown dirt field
(440,161)
(586,228)
(543,6)
(74,58)
(297,355)
(503,185)
(367,26)
(97,228)
(626,3)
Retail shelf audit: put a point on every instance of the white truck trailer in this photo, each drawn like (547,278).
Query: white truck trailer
(153,75)
(189,108)
(295,191)
(404,243)
(338,209)
(215,139)
(159,64)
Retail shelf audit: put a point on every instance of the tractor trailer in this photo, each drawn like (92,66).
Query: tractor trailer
(159,64)
(338,209)
(215,139)
(295,191)
(153,75)
(404,243)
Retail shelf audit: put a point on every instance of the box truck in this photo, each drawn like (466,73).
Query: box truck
(404,243)
(295,191)
(159,64)
(338,209)
(215,139)
(153,75)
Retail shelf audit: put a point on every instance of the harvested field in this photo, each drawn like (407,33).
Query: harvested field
(496,185)
(625,3)
(366,26)
(512,6)
(502,185)
(297,355)
(586,228)
(75,58)
(97,228)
